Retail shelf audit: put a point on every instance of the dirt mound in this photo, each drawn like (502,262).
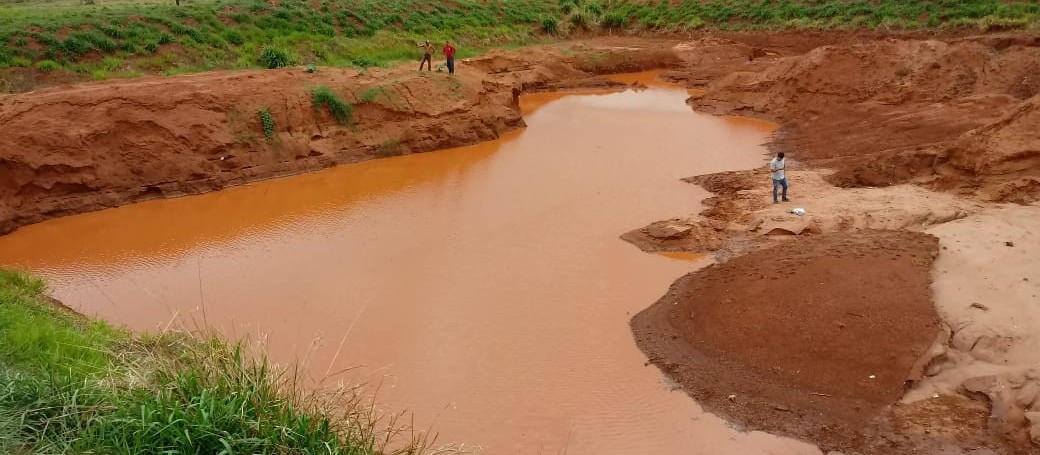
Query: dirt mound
(889,111)
(1008,147)
(789,340)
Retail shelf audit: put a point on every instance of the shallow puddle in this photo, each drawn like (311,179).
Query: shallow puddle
(484,288)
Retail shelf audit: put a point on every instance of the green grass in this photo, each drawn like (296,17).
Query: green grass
(267,123)
(229,34)
(42,339)
(71,385)
(341,110)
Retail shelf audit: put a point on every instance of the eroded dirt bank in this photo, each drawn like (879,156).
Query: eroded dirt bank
(75,149)
(951,114)
(908,136)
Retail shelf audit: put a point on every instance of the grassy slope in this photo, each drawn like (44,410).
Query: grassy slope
(114,39)
(70,385)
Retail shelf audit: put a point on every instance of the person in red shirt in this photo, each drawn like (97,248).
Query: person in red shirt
(449,53)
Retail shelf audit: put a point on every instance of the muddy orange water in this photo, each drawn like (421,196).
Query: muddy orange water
(485,287)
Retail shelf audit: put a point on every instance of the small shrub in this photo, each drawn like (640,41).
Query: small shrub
(113,32)
(272,58)
(310,68)
(369,95)
(234,37)
(75,46)
(584,18)
(615,19)
(105,45)
(363,62)
(550,25)
(197,35)
(267,122)
(342,111)
(151,47)
(165,38)
(693,23)
(390,147)
(47,65)
(47,39)
(21,41)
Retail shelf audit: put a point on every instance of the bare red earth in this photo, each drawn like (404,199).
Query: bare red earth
(74,149)
(813,338)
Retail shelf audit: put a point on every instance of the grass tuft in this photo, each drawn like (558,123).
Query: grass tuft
(267,123)
(342,111)
(272,58)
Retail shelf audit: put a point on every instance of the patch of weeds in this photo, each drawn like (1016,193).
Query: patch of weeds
(390,147)
(370,95)
(47,65)
(363,62)
(272,57)
(267,122)
(310,68)
(342,111)
(615,19)
(234,37)
(584,17)
(20,62)
(550,25)
(75,46)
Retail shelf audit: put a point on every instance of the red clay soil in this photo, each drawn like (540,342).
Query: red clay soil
(889,111)
(74,149)
(813,338)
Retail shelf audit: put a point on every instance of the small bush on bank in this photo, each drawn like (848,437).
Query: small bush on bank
(271,58)
(342,111)
(47,65)
(267,123)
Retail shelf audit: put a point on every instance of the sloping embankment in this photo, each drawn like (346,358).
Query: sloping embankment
(75,149)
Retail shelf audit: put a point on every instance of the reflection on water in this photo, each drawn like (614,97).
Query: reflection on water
(484,287)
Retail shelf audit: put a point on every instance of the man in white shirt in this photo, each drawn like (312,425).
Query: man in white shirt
(776,171)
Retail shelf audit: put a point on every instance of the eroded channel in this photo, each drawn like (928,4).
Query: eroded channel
(484,288)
